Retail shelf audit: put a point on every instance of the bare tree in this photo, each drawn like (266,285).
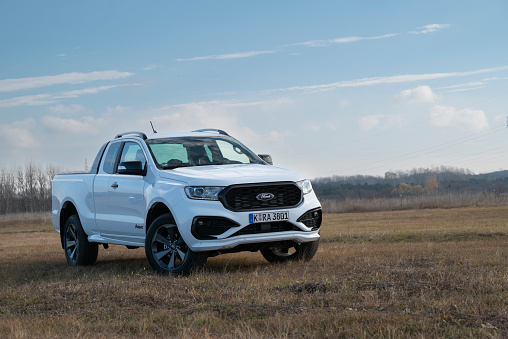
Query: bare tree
(26,188)
(30,186)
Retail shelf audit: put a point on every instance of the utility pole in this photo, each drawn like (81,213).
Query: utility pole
(86,165)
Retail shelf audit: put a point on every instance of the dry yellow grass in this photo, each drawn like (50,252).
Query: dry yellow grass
(426,273)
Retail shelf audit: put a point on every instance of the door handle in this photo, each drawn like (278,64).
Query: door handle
(114,185)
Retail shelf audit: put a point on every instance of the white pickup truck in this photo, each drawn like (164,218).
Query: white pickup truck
(185,197)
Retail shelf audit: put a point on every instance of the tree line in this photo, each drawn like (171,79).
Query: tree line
(417,181)
(26,189)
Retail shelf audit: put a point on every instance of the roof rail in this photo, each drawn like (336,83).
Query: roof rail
(212,130)
(138,134)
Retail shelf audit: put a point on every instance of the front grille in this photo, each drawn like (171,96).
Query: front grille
(312,218)
(266,227)
(205,228)
(243,197)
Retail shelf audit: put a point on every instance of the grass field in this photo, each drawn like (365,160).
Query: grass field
(414,273)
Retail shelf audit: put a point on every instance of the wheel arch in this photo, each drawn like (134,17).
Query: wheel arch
(155,211)
(67,210)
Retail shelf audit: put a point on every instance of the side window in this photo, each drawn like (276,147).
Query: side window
(132,151)
(108,164)
(232,153)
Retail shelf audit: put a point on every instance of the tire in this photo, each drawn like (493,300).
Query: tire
(166,250)
(78,250)
(304,251)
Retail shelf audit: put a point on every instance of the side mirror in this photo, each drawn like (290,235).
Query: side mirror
(266,158)
(134,167)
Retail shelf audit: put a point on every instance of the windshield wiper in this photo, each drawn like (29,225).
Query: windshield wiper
(175,166)
(196,165)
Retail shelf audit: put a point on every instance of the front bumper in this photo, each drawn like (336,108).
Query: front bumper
(185,213)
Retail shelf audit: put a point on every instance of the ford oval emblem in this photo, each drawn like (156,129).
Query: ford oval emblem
(265,196)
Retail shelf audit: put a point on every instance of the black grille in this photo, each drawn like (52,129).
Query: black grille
(267,227)
(208,227)
(312,218)
(243,197)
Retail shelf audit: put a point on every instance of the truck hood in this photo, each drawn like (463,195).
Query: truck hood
(225,175)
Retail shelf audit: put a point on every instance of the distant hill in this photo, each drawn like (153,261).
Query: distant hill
(437,179)
(494,175)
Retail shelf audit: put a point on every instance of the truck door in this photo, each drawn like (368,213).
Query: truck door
(126,199)
(101,186)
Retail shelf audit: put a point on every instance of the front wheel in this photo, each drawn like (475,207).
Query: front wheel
(166,250)
(304,251)
(78,250)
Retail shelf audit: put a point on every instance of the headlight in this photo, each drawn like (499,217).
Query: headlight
(203,192)
(305,186)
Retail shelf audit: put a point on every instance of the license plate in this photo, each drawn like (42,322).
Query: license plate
(268,217)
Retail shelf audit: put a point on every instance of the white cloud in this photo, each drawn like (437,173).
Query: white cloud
(10,85)
(391,80)
(429,28)
(465,89)
(66,110)
(311,43)
(369,122)
(345,40)
(28,100)
(469,84)
(85,132)
(79,92)
(227,56)
(83,125)
(17,135)
(45,99)
(222,104)
(316,43)
(420,94)
(150,67)
(217,114)
(275,136)
(313,128)
(471,119)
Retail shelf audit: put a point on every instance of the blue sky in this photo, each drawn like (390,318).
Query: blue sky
(326,87)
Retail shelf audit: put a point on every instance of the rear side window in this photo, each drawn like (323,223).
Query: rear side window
(96,163)
(108,165)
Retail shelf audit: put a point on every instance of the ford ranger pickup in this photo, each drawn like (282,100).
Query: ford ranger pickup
(185,197)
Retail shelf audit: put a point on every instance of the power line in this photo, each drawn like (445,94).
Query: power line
(415,154)
(483,152)
(487,160)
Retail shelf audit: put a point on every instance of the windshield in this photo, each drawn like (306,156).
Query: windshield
(199,151)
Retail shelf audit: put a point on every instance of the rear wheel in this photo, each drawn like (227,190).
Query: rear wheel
(78,250)
(166,250)
(304,251)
